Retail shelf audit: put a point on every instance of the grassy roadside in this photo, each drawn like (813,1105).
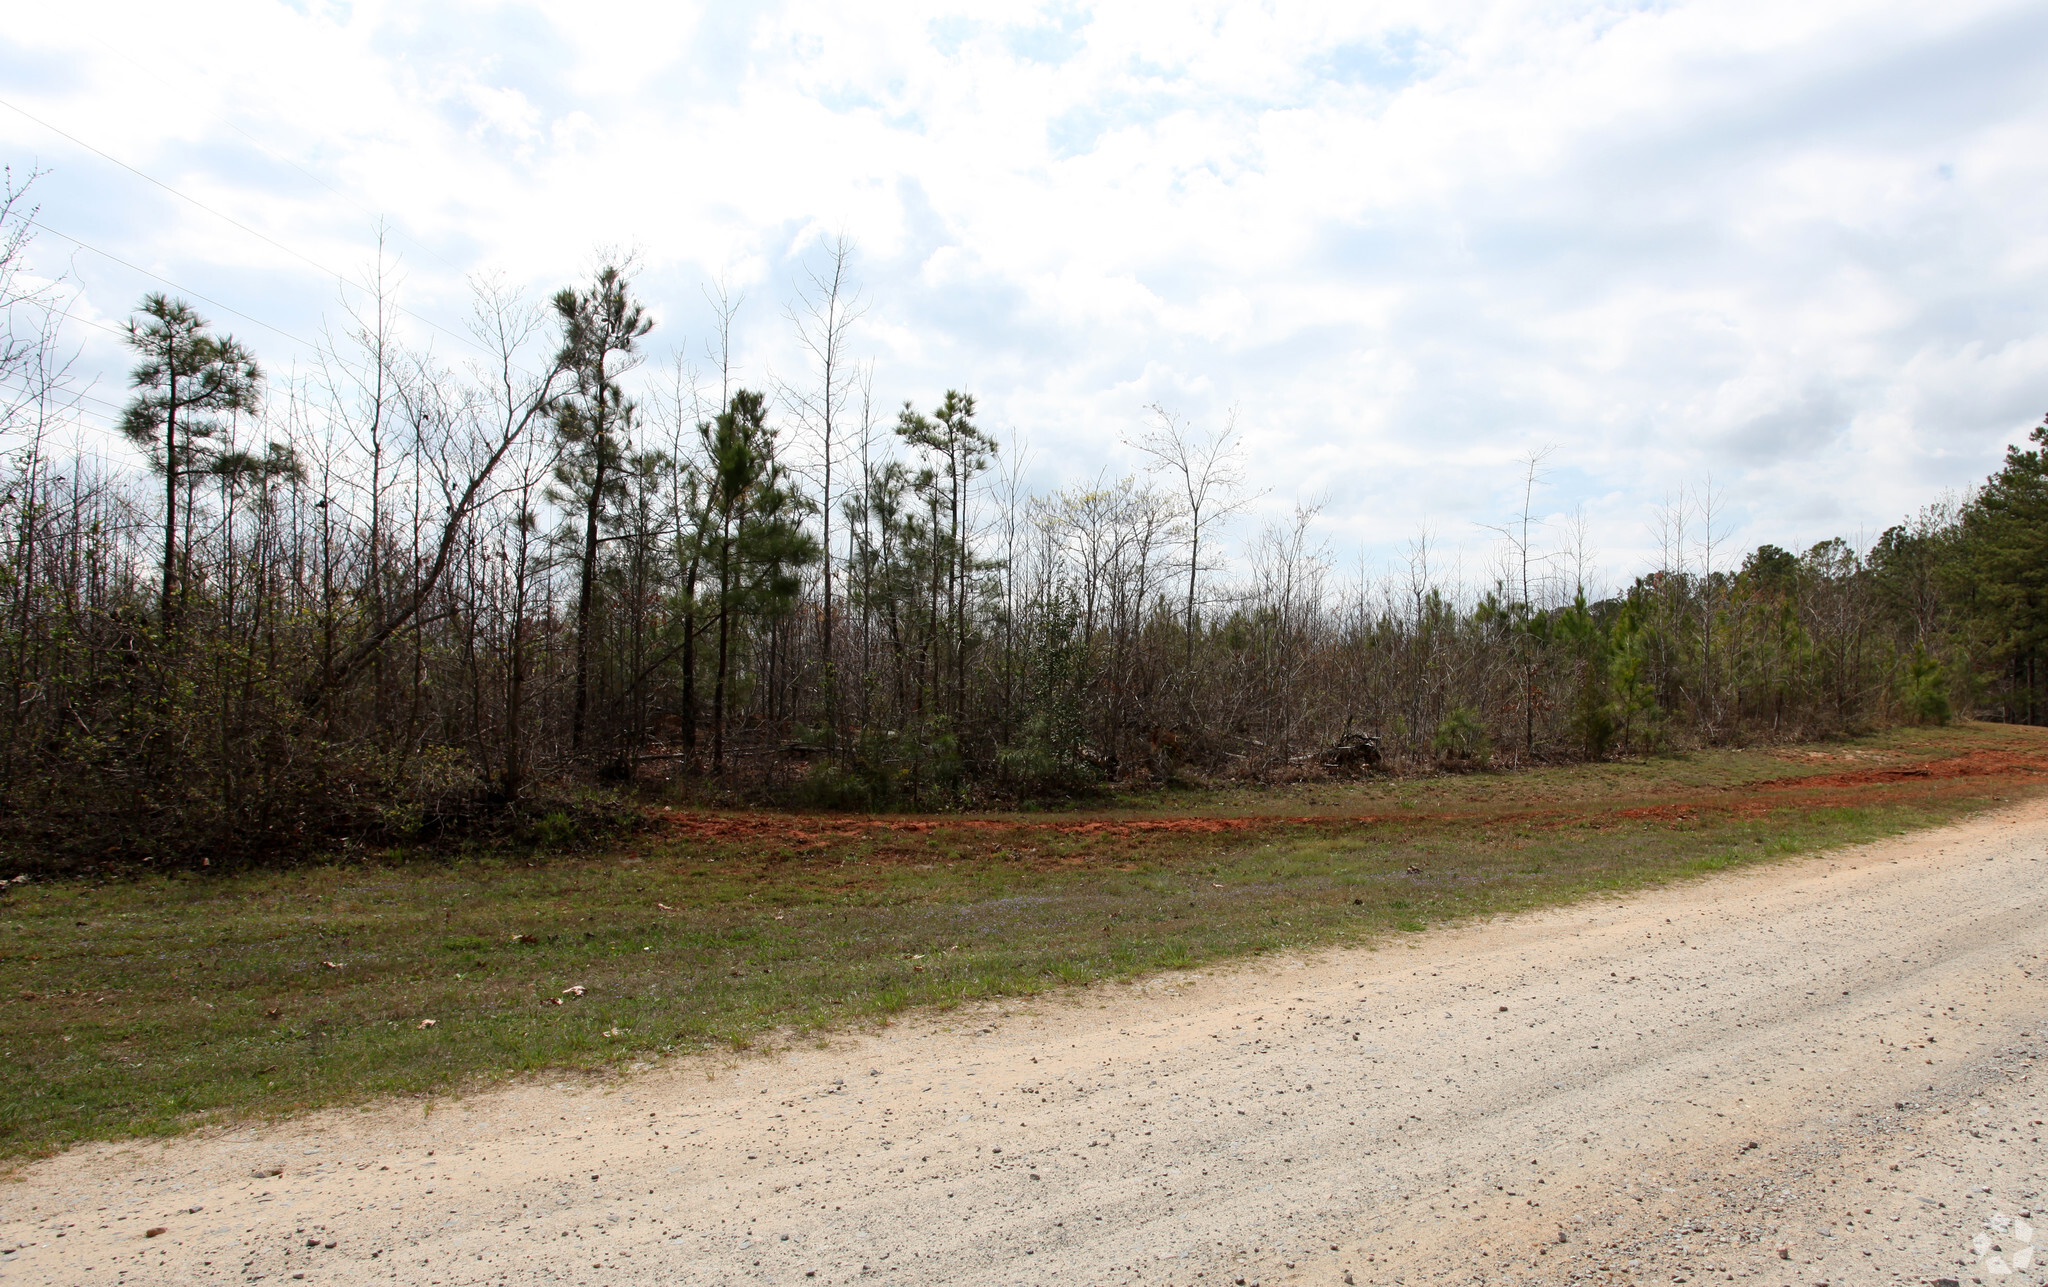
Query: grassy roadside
(146,1006)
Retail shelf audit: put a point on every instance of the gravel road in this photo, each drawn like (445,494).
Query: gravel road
(1820,1071)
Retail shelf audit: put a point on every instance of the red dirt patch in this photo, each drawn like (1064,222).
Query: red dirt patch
(1973,764)
(1818,791)
(799,830)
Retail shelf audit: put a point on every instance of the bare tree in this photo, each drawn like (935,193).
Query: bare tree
(35,372)
(1578,552)
(1208,475)
(357,374)
(1517,534)
(827,307)
(725,308)
(468,440)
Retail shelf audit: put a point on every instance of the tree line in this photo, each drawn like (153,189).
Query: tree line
(394,596)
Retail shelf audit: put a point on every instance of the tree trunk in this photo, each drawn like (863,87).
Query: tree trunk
(690,657)
(515,684)
(725,540)
(167,613)
(828,674)
(587,592)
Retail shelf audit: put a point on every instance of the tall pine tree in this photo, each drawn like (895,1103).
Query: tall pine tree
(187,378)
(601,332)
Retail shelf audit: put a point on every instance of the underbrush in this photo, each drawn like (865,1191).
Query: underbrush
(51,843)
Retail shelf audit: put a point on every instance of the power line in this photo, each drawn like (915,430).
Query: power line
(83,321)
(67,402)
(87,321)
(275,155)
(184,290)
(168,188)
(65,397)
(228,219)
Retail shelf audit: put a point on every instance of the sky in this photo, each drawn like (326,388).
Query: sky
(1794,253)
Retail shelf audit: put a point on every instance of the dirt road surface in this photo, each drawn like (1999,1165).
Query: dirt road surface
(1821,1071)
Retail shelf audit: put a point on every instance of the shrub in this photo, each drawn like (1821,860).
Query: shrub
(1924,691)
(1461,738)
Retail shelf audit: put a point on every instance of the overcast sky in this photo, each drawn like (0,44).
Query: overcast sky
(1800,249)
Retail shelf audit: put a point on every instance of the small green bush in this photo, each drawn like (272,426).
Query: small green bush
(1461,737)
(1924,692)
(556,830)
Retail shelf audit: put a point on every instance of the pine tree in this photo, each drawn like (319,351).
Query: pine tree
(186,379)
(755,539)
(2006,552)
(601,332)
(959,450)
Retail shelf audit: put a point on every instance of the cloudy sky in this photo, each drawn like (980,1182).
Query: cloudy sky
(1798,249)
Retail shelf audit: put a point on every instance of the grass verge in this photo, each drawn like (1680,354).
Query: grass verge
(149,1005)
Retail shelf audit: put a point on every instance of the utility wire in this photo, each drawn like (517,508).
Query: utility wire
(87,321)
(280,157)
(268,240)
(63,397)
(65,315)
(183,290)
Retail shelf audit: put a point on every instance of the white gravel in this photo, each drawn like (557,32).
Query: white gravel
(1818,1071)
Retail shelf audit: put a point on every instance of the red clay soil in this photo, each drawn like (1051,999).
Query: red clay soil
(801,829)
(1972,764)
(1820,791)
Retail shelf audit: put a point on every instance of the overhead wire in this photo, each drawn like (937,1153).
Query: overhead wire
(279,157)
(70,400)
(183,290)
(86,321)
(230,220)
(64,396)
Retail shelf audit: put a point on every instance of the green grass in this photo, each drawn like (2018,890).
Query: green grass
(148,1005)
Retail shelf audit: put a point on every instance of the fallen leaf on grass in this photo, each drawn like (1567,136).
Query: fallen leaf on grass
(553,1001)
(665,907)
(426,1023)
(576,991)
(614,1032)
(332,965)
(524,938)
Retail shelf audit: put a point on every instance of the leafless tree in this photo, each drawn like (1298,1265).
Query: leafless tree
(460,444)
(827,307)
(1207,473)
